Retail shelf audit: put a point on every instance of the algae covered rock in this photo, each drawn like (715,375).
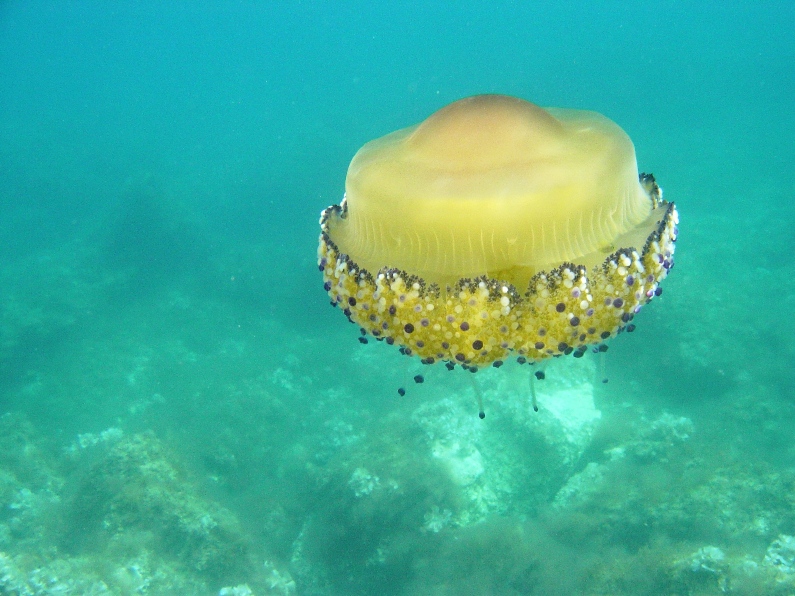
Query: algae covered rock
(136,498)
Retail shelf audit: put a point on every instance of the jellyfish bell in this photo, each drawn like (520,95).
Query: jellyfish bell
(497,228)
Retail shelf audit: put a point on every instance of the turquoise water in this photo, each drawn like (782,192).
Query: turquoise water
(181,412)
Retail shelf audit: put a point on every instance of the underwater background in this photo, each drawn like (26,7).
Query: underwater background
(181,412)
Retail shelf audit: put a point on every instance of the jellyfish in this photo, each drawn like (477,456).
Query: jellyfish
(497,229)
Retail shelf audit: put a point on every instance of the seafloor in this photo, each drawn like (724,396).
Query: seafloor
(174,434)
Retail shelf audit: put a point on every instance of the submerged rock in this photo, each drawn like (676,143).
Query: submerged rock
(135,494)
